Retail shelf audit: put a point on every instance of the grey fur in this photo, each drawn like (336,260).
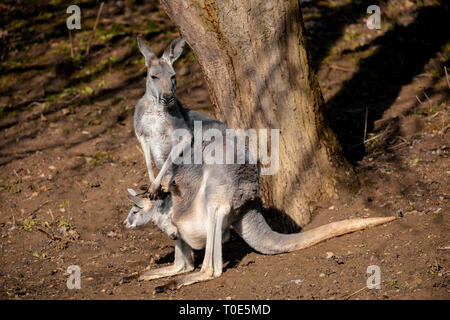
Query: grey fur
(157,211)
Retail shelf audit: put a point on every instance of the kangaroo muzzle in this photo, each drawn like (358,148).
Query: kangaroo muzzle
(167,99)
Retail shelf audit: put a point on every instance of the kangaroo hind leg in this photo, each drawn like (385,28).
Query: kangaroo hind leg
(183,263)
(212,263)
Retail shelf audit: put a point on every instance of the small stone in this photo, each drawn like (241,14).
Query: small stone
(330,255)
(73,234)
(111,234)
(322,275)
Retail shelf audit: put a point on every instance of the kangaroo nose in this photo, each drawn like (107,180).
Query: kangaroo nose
(167,98)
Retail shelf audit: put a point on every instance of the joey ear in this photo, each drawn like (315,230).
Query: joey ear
(148,54)
(174,50)
(132,192)
(140,202)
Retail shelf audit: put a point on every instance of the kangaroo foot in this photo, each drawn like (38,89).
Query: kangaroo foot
(185,281)
(164,272)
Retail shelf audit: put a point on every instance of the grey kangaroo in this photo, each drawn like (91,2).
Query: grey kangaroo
(207,200)
(158,113)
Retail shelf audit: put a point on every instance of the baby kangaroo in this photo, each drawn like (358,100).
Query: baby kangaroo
(158,113)
(206,201)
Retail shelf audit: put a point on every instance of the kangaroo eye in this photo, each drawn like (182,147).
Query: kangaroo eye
(154,77)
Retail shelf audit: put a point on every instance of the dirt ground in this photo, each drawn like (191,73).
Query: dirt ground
(68,153)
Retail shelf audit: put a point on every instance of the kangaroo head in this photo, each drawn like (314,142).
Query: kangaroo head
(140,212)
(161,81)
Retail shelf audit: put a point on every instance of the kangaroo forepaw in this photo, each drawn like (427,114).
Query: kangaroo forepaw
(157,194)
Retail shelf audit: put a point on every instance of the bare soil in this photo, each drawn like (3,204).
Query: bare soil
(68,153)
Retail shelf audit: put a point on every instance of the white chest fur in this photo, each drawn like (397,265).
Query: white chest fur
(156,134)
(155,128)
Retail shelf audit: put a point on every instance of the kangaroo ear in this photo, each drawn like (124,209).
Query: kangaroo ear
(140,202)
(143,204)
(150,57)
(132,192)
(174,50)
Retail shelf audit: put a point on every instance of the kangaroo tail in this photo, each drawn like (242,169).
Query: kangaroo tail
(254,229)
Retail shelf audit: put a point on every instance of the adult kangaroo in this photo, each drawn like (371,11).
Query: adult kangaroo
(206,199)
(158,114)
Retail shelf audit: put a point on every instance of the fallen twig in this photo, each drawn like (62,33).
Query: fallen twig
(365,125)
(95,27)
(51,236)
(397,146)
(18,177)
(356,292)
(38,208)
(434,115)
(332,66)
(71,45)
(51,214)
(418,100)
(373,138)
(446,76)
(426,96)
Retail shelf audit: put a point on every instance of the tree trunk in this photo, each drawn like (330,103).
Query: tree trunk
(254,57)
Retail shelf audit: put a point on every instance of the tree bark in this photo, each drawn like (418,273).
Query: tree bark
(255,60)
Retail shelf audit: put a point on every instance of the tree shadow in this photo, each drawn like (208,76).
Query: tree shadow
(401,55)
(375,85)
(324,25)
